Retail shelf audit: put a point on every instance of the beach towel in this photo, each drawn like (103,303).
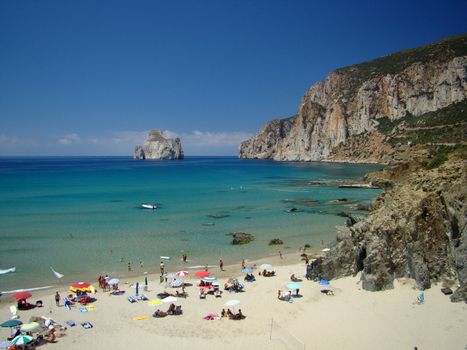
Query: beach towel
(91,308)
(71,323)
(86,325)
(131,299)
(140,318)
(83,309)
(210,317)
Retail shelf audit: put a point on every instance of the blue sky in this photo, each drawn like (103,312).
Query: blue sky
(91,77)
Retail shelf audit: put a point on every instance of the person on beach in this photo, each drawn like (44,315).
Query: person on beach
(243,264)
(162,266)
(141,263)
(221,264)
(184,257)
(206,267)
(280,254)
(57,298)
(129,267)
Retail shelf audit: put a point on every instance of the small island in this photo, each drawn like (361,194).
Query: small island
(158,147)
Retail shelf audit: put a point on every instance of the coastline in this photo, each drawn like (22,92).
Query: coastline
(352,318)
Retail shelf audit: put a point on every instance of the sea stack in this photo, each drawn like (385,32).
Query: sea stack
(157,146)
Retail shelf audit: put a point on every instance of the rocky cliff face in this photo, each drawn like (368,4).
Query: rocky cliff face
(157,146)
(416,229)
(339,117)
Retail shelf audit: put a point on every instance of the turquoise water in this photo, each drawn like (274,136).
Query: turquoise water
(82,215)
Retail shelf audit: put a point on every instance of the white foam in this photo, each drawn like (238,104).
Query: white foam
(25,290)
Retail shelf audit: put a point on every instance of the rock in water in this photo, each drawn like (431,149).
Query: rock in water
(242,238)
(157,146)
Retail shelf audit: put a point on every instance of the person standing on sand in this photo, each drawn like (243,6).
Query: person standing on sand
(243,264)
(57,298)
(280,254)
(162,266)
(221,264)
(206,267)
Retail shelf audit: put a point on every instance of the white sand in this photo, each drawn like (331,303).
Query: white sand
(352,319)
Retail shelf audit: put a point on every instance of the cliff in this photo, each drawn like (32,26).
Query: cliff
(347,116)
(157,146)
(416,228)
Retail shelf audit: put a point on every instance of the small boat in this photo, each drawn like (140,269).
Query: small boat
(149,206)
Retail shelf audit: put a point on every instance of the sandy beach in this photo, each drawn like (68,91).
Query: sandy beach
(351,319)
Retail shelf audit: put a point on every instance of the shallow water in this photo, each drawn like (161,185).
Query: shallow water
(81,215)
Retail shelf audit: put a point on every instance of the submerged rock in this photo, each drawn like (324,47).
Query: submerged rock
(275,241)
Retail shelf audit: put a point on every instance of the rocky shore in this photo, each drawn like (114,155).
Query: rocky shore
(416,228)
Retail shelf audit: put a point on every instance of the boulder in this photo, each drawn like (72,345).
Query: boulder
(158,147)
(276,241)
(242,238)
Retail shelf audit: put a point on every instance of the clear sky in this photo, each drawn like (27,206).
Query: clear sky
(91,77)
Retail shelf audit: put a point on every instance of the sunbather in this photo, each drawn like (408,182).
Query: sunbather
(159,313)
(171,309)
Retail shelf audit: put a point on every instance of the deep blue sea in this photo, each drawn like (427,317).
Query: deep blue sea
(82,215)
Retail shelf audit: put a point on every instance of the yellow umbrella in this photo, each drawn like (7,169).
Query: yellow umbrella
(154,302)
(30,327)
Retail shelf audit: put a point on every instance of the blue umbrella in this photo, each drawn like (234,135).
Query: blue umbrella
(247,270)
(11,323)
(293,286)
(324,283)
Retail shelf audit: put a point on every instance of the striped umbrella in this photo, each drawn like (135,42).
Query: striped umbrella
(30,327)
(209,279)
(182,273)
(22,339)
(113,281)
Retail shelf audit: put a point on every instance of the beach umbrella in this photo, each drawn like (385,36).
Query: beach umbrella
(324,283)
(202,274)
(113,281)
(182,273)
(209,279)
(171,275)
(247,270)
(232,302)
(293,286)
(154,302)
(22,339)
(266,267)
(11,323)
(169,299)
(21,295)
(5,344)
(30,327)
(176,284)
(80,285)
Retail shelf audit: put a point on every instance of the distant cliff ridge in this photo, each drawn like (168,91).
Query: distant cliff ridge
(157,146)
(346,116)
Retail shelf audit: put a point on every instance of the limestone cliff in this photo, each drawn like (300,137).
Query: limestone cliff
(339,118)
(157,146)
(416,229)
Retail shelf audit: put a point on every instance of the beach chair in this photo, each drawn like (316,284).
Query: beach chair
(14,312)
(131,299)
(143,297)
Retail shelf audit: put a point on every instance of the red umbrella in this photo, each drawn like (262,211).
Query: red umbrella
(202,274)
(80,285)
(21,295)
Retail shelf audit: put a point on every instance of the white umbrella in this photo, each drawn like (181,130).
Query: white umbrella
(113,281)
(169,299)
(266,267)
(232,302)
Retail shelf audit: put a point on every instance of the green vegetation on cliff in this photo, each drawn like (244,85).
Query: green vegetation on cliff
(441,51)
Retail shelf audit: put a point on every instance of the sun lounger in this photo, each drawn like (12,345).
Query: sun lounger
(143,297)
(71,323)
(131,299)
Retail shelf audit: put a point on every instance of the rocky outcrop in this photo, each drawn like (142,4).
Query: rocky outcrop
(338,118)
(242,238)
(416,229)
(157,146)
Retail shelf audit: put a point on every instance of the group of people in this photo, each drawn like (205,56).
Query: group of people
(172,310)
(250,277)
(103,282)
(231,315)
(266,273)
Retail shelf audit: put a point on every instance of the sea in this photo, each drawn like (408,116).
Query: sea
(82,216)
